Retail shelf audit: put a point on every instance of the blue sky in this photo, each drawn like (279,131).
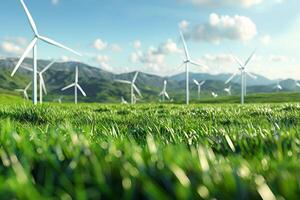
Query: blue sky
(126,35)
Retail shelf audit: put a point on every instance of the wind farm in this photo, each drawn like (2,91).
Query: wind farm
(158,104)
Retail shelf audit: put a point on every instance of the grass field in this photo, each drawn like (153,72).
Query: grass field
(93,151)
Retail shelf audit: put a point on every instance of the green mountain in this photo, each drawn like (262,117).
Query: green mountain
(100,86)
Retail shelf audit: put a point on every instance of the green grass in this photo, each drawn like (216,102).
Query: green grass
(93,151)
(281,97)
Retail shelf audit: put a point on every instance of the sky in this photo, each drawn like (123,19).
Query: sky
(127,35)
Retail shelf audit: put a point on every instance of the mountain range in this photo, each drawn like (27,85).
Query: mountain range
(100,86)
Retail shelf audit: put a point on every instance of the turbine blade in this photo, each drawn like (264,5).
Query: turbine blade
(26,95)
(47,67)
(30,19)
(230,79)
(50,41)
(196,82)
(182,64)
(28,86)
(135,77)
(185,46)
(167,95)
(137,90)
(43,84)
(26,52)
(27,68)
(251,75)
(81,90)
(237,61)
(122,81)
(19,90)
(67,87)
(198,64)
(250,57)
(202,83)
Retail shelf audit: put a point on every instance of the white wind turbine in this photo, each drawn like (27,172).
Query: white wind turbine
(297,83)
(33,46)
(59,100)
(133,87)
(186,62)
(76,86)
(199,85)
(123,101)
(164,93)
(228,90)
(243,75)
(278,87)
(215,95)
(24,91)
(41,79)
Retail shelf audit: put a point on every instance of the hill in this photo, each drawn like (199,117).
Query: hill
(100,85)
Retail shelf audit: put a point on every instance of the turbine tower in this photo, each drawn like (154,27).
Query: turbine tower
(164,93)
(33,46)
(24,91)
(76,86)
(133,87)
(41,79)
(243,75)
(186,62)
(199,86)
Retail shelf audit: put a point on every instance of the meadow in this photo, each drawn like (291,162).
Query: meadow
(101,151)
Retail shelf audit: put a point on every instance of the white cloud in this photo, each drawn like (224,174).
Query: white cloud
(225,27)
(150,59)
(116,48)
(183,25)
(265,40)
(222,3)
(137,44)
(218,58)
(10,48)
(168,47)
(279,58)
(13,46)
(99,44)
(54,2)
(103,61)
(65,58)
(154,58)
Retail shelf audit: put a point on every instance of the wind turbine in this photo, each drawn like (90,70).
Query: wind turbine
(76,86)
(123,101)
(133,86)
(59,100)
(228,90)
(135,99)
(278,87)
(24,91)
(186,62)
(297,83)
(33,46)
(215,95)
(41,78)
(242,70)
(199,86)
(164,93)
